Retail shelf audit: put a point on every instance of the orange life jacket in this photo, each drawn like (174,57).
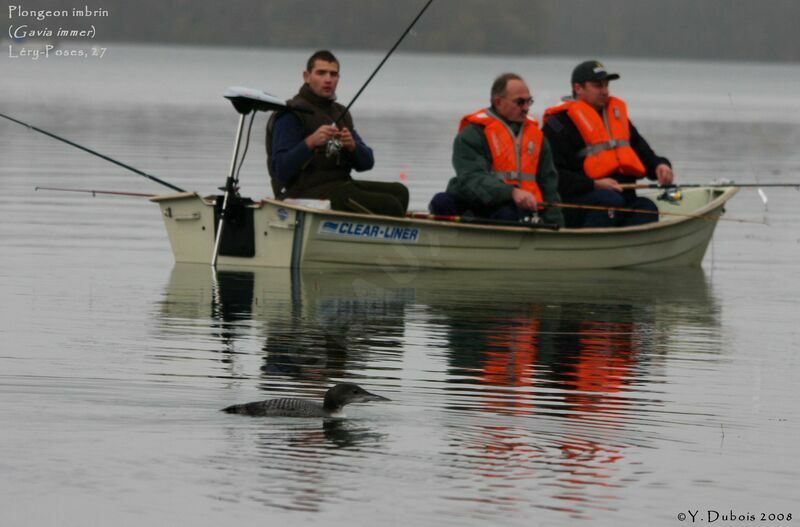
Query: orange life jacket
(515,160)
(608,138)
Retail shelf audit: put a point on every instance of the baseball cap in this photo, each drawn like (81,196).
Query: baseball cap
(591,70)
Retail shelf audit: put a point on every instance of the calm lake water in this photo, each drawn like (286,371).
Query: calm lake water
(602,398)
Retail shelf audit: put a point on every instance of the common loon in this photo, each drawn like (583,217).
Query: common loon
(335,400)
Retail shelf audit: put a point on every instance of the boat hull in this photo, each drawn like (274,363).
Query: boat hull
(287,235)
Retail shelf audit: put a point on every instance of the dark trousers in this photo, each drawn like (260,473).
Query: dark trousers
(377,197)
(609,218)
(445,204)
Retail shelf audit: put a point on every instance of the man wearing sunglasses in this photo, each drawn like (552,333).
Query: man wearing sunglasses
(504,168)
(596,148)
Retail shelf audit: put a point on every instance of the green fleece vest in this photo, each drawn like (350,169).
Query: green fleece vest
(319,169)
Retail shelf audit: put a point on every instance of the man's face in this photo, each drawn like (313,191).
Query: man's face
(323,78)
(515,104)
(593,93)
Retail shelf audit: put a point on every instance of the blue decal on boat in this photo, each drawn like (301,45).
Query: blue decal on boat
(283,214)
(370,231)
(328,227)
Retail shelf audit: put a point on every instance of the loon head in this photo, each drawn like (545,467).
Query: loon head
(346,393)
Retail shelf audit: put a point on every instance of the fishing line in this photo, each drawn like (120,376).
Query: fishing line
(334,145)
(744,143)
(402,37)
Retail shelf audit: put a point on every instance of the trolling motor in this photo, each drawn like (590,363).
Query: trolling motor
(245,101)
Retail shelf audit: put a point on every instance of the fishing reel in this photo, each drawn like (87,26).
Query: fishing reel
(333,147)
(537,221)
(533,219)
(671,195)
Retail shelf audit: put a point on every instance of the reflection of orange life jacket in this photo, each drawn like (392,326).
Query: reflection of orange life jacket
(515,160)
(607,359)
(608,354)
(608,138)
(510,359)
(511,354)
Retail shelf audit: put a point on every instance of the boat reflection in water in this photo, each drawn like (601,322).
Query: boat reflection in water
(549,378)
(312,327)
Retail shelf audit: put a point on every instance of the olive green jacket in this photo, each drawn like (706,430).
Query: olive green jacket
(475,184)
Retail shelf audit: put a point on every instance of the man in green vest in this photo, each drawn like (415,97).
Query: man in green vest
(311,151)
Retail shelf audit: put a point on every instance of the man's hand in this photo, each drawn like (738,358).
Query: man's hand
(607,183)
(523,199)
(321,136)
(664,174)
(346,138)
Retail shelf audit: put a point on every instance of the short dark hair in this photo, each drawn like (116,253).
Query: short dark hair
(323,55)
(501,82)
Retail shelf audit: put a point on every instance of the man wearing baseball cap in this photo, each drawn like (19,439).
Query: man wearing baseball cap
(596,148)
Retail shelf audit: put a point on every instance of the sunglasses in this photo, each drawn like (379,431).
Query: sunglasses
(521,101)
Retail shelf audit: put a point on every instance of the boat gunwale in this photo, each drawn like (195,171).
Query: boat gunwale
(715,203)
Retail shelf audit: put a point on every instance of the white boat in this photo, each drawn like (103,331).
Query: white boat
(237,232)
(272,233)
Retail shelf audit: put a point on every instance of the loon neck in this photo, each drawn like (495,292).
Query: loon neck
(338,412)
(331,406)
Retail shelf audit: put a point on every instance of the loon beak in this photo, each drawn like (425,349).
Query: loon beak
(367,396)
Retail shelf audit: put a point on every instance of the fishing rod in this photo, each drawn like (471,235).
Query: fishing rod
(95,192)
(334,145)
(402,37)
(480,221)
(644,211)
(489,221)
(98,154)
(711,185)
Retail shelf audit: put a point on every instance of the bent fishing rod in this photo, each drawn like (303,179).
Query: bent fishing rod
(95,153)
(334,145)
